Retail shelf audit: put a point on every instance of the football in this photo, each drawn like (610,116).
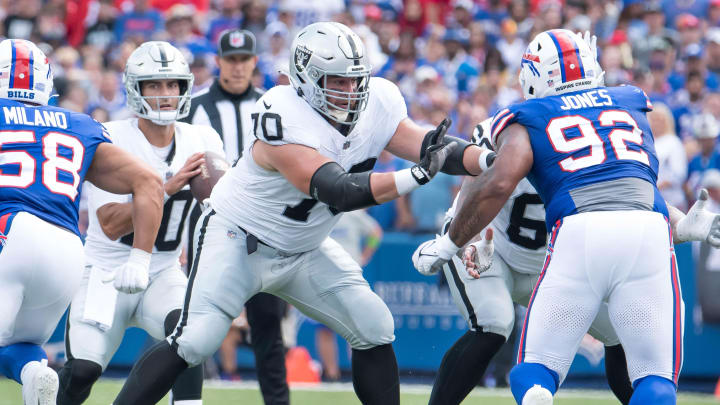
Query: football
(210,172)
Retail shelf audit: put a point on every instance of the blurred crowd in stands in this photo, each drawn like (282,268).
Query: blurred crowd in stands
(456,58)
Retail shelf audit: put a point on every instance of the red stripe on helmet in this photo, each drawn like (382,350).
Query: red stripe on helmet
(21,66)
(569,56)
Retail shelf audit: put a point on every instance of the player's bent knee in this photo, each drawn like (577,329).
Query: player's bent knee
(171,321)
(499,320)
(374,331)
(195,354)
(83,373)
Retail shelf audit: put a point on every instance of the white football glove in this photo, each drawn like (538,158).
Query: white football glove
(591,40)
(478,256)
(132,277)
(431,255)
(699,224)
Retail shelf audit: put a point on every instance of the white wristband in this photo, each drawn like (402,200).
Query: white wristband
(446,248)
(405,182)
(140,257)
(483,159)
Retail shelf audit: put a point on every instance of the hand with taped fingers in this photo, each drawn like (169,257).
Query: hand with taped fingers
(478,256)
(699,224)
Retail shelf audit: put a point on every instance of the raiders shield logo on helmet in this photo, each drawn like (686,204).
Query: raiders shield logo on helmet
(302,56)
(237,39)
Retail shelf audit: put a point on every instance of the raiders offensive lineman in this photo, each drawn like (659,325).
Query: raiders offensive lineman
(267,229)
(158,83)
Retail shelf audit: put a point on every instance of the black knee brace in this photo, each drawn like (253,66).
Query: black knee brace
(76,379)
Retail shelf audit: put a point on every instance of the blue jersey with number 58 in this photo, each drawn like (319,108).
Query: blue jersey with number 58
(587,138)
(45,153)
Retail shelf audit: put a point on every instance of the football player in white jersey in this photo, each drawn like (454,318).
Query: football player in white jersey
(158,83)
(267,228)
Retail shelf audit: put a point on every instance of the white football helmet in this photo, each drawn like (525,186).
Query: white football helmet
(330,49)
(559,61)
(157,60)
(25,73)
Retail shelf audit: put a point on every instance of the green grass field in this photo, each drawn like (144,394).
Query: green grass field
(341,394)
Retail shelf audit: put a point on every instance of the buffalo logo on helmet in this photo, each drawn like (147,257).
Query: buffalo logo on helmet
(302,57)
(237,39)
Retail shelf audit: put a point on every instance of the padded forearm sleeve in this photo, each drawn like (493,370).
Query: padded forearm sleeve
(454,162)
(341,190)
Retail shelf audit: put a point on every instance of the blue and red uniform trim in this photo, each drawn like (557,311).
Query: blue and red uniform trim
(5,224)
(677,358)
(21,71)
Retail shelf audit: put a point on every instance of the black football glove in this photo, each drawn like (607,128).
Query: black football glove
(435,154)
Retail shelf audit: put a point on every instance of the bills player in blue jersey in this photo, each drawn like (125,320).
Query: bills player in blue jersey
(588,150)
(45,155)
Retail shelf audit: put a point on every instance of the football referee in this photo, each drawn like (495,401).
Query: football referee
(226,106)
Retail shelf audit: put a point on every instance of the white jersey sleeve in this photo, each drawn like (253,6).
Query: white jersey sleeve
(279,119)
(392,102)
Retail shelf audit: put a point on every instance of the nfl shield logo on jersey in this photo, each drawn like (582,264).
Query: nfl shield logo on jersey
(3,239)
(237,39)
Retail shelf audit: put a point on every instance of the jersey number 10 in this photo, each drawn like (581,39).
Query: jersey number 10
(50,168)
(590,139)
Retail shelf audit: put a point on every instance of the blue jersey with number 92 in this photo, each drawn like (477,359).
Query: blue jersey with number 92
(582,138)
(45,153)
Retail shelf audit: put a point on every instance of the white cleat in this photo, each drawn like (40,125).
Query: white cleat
(537,395)
(40,384)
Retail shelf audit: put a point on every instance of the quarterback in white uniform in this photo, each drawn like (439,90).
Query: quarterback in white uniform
(270,216)
(158,83)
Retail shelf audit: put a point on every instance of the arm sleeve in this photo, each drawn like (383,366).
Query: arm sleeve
(392,102)
(278,126)
(503,119)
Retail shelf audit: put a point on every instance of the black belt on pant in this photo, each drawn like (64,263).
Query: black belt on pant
(252,241)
